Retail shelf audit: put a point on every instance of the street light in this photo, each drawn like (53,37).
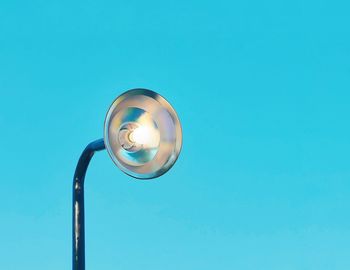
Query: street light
(143,136)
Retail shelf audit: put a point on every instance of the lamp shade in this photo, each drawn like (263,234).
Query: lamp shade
(142,134)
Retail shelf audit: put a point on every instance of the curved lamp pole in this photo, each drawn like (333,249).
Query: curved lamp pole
(143,136)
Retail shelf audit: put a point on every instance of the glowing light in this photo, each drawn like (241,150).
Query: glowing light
(144,135)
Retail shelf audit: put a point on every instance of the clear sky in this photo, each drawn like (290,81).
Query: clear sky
(262,91)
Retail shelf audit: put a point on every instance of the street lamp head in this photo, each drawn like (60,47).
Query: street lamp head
(142,134)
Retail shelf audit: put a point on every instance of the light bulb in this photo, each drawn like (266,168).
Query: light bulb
(145,135)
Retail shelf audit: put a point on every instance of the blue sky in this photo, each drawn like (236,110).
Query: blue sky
(262,91)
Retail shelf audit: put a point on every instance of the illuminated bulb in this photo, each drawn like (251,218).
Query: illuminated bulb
(140,135)
(145,136)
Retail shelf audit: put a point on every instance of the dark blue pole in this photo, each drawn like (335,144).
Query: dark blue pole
(78,203)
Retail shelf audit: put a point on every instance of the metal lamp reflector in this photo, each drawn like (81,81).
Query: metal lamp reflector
(142,134)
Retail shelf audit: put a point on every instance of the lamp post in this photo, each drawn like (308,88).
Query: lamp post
(143,136)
